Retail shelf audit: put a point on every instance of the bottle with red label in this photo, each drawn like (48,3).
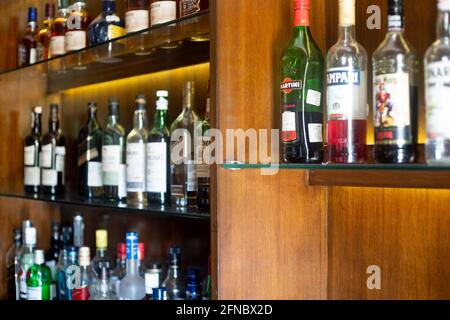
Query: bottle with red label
(302,69)
(88,278)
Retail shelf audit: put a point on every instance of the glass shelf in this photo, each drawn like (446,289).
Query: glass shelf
(175,44)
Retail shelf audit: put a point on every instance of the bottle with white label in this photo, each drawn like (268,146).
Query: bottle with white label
(437,90)
(137,16)
(347,92)
(32,171)
(52,157)
(114,156)
(27,47)
(395,93)
(76,26)
(136,155)
(26,260)
(163,11)
(58,40)
(158,154)
(90,156)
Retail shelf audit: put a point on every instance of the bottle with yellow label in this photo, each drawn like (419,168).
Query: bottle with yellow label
(107,26)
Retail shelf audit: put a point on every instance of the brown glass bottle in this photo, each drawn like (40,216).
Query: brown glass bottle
(58,40)
(45,34)
(27,48)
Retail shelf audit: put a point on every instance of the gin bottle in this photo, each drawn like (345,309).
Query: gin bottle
(204,168)
(27,260)
(32,149)
(437,90)
(39,279)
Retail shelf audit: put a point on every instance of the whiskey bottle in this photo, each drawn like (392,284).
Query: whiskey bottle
(12,265)
(137,16)
(163,11)
(58,41)
(107,26)
(347,92)
(437,90)
(136,153)
(302,69)
(113,156)
(76,26)
(204,166)
(45,34)
(52,158)
(395,87)
(27,48)
(32,149)
(184,173)
(90,156)
(158,154)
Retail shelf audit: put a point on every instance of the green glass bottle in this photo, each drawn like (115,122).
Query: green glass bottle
(302,70)
(39,279)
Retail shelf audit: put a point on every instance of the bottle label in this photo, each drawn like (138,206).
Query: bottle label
(32,176)
(392,109)
(203,168)
(23,284)
(346,94)
(192,184)
(437,92)
(111,165)
(157,167)
(163,11)
(46,156)
(315,131)
(81,294)
(84,153)
(29,156)
(136,20)
(33,55)
(288,118)
(289,126)
(115,31)
(34,293)
(75,40)
(136,167)
(58,46)
(188,7)
(60,153)
(94,174)
(123,181)
(132,246)
(49,177)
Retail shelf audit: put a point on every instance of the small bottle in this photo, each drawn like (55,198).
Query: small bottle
(163,11)
(132,286)
(32,149)
(58,40)
(204,167)
(27,260)
(107,26)
(152,280)
(78,231)
(158,154)
(27,53)
(52,257)
(90,156)
(60,274)
(137,16)
(189,7)
(159,294)
(88,280)
(174,282)
(12,265)
(39,279)
(101,255)
(121,267)
(194,290)
(77,22)
(52,157)
(45,34)
(136,157)
(114,156)
(104,289)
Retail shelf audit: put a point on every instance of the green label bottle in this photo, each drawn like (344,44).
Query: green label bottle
(39,279)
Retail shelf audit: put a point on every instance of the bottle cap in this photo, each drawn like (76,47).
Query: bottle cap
(141,251)
(85,256)
(32,14)
(39,257)
(92,106)
(37,110)
(122,251)
(113,106)
(101,239)
(301,9)
(395,15)
(159,294)
(347,12)
(151,282)
(444,5)
(162,100)
(30,236)
(141,102)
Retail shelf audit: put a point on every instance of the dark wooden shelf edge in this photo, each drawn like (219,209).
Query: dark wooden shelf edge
(380,179)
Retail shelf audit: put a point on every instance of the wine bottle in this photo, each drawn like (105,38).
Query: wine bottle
(32,149)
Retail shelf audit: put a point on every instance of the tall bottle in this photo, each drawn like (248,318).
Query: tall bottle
(347,92)
(137,16)
(437,90)
(58,40)
(174,282)
(52,256)
(78,231)
(141,259)
(101,255)
(77,22)
(395,68)
(27,260)
(32,149)
(12,265)
(136,154)
(27,48)
(107,26)
(69,281)
(132,286)
(114,156)
(87,276)
(90,156)
(204,168)
(53,155)
(61,287)
(120,270)
(45,33)
(39,279)
(184,174)
(158,154)
(301,93)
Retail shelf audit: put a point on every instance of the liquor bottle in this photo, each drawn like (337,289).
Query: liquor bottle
(158,154)
(12,265)
(39,279)
(76,26)
(45,34)
(174,282)
(52,256)
(302,69)
(163,11)
(207,295)
(107,26)
(27,260)
(61,287)
(437,91)
(395,67)
(87,276)
(153,278)
(58,40)
(347,92)
(78,231)
(104,289)
(52,158)
(114,156)
(184,176)
(132,286)
(121,267)
(188,7)
(137,15)
(141,259)
(32,149)
(90,156)
(204,167)
(136,144)
(159,294)
(27,48)
(68,282)
(101,255)
(194,290)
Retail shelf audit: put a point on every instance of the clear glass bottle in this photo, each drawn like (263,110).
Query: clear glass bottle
(137,16)
(39,279)
(70,273)
(158,154)
(78,231)
(174,282)
(136,157)
(32,149)
(90,156)
(437,91)
(120,270)
(12,265)
(347,92)
(396,76)
(60,275)
(132,286)
(27,260)
(45,33)
(101,255)
(88,278)
(184,174)
(27,48)
(77,23)
(107,26)
(114,156)
(104,289)
(204,168)
(58,40)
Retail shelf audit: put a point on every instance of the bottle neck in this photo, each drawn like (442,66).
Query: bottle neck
(101,252)
(301,16)
(443,24)
(140,121)
(93,118)
(37,127)
(132,267)
(347,33)
(109,6)
(160,119)
(174,272)
(53,126)
(29,248)
(113,119)
(32,25)
(395,24)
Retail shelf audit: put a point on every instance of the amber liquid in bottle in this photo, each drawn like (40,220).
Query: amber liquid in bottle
(45,34)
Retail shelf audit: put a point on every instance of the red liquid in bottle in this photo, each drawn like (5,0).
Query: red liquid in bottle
(347,141)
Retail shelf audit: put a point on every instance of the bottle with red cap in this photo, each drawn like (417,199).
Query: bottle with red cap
(302,71)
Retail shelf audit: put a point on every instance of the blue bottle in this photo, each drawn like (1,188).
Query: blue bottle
(107,26)
(194,290)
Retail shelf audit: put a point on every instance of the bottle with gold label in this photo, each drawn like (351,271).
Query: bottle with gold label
(107,26)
